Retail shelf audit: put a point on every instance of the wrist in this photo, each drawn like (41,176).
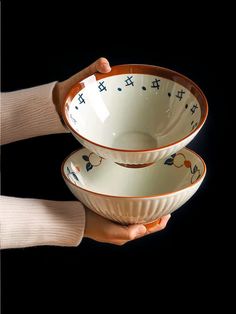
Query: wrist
(57,96)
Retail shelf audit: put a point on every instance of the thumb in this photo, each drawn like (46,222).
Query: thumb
(101,65)
(136,231)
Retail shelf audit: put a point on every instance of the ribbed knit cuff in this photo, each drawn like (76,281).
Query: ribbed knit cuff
(28,113)
(33,222)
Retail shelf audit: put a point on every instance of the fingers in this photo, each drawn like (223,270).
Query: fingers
(62,88)
(126,233)
(158,225)
(103,230)
(101,65)
(120,235)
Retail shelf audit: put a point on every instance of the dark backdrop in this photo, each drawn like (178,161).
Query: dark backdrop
(40,45)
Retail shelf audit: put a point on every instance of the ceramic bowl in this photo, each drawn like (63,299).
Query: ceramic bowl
(130,195)
(136,114)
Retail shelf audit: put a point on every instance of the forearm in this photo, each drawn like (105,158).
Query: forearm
(29,113)
(33,222)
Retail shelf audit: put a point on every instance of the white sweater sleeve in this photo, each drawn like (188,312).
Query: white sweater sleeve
(29,112)
(33,222)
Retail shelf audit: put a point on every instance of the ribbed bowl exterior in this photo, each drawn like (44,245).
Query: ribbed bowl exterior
(128,210)
(126,157)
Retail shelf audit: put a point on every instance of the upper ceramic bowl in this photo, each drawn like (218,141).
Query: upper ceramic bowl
(135,114)
(130,195)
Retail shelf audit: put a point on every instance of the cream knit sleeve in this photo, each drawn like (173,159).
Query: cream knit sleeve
(33,222)
(29,112)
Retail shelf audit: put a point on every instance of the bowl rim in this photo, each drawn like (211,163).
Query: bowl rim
(141,69)
(135,197)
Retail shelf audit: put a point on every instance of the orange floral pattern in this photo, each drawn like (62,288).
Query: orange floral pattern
(179,160)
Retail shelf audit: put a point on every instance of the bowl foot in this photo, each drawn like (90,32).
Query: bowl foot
(135,165)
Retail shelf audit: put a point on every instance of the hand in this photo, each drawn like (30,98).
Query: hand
(104,230)
(61,89)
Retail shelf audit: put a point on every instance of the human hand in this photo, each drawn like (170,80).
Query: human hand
(61,89)
(104,230)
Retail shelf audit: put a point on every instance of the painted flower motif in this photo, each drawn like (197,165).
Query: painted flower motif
(179,160)
(170,160)
(195,174)
(92,160)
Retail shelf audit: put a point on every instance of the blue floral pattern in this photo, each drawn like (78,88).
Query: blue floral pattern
(156,83)
(72,174)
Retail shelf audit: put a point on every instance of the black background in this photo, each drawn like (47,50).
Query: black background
(42,44)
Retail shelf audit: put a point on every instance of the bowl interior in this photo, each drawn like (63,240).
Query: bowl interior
(93,173)
(135,111)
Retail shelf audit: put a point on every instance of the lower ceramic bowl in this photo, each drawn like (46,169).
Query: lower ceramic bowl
(130,195)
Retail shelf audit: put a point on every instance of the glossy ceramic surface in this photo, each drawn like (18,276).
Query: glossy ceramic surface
(136,114)
(130,195)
